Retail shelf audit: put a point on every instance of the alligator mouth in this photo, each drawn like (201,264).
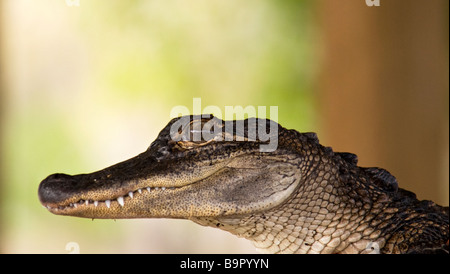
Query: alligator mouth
(135,188)
(119,191)
(108,203)
(83,196)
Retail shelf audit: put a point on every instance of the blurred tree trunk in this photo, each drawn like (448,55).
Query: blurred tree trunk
(384,89)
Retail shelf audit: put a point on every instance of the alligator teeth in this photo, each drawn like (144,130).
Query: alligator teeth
(120,201)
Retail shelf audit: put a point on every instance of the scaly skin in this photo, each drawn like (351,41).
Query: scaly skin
(300,198)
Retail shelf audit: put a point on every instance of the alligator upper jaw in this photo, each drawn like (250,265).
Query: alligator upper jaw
(139,187)
(103,204)
(136,188)
(78,196)
(119,191)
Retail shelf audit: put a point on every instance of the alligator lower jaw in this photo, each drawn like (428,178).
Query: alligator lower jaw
(111,208)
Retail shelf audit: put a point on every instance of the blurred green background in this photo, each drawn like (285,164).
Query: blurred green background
(84,87)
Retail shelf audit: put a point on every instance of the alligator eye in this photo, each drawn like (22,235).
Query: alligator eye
(197,133)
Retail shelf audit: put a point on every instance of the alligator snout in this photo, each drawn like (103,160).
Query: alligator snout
(55,188)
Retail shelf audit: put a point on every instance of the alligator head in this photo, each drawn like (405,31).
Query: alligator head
(197,167)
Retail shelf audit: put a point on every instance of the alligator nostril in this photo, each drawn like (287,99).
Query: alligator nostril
(51,189)
(57,177)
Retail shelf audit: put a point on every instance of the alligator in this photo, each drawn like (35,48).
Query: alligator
(300,197)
